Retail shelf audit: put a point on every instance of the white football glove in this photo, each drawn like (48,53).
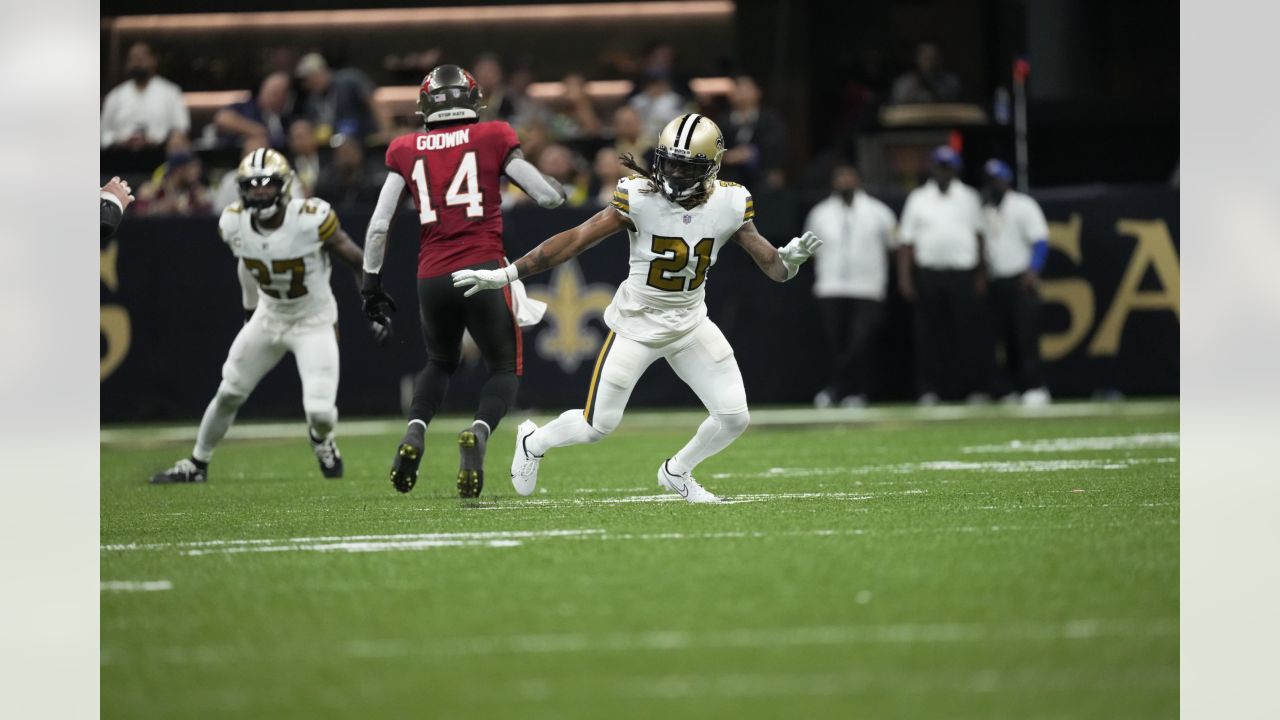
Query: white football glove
(477,280)
(798,251)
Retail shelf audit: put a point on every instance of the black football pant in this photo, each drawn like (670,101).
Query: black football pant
(489,317)
(949,334)
(1015,318)
(851,325)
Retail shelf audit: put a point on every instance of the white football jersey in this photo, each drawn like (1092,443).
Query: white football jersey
(672,250)
(289,262)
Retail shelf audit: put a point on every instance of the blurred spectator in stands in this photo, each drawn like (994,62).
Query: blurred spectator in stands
(348,181)
(608,171)
(755,139)
(176,188)
(263,115)
(657,103)
(1017,239)
(927,82)
(340,102)
(525,110)
(534,139)
(144,110)
(941,270)
(575,116)
(852,272)
(487,70)
(629,136)
(563,165)
(304,154)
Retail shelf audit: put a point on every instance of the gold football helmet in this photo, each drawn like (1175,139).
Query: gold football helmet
(687,158)
(266,181)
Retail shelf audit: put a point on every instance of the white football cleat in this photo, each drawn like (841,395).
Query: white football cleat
(524,466)
(1036,397)
(684,486)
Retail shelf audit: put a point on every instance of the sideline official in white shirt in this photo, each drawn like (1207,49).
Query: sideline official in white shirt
(852,272)
(145,109)
(1017,246)
(941,270)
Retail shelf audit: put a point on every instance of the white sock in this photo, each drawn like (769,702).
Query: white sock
(714,434)
(213,427)
(568,429)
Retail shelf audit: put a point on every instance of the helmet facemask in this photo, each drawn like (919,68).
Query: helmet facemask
(256,193)
(681,178)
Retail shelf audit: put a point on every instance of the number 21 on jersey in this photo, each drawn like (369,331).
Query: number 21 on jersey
(466,175)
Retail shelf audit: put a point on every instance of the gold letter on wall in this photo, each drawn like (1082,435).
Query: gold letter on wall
(1074,294)
(1154,250)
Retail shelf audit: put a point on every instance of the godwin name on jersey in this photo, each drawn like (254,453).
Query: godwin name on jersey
(289,262)
(672,250)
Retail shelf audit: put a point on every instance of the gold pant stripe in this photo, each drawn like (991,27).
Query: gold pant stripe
(589,411)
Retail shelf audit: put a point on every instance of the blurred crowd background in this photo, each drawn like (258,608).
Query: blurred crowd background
(797,88)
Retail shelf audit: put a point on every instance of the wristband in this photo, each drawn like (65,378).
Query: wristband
(512,273)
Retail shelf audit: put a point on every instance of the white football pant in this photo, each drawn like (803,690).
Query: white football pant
(259,347)
(703,359)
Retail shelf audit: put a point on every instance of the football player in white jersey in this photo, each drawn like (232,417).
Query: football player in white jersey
(678,218)
(282,245)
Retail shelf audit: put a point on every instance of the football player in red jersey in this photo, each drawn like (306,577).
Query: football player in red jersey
(452,171)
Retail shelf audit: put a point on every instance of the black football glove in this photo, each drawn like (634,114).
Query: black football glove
(377,303)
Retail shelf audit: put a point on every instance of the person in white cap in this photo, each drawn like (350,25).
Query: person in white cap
(941,240)
(1017,246)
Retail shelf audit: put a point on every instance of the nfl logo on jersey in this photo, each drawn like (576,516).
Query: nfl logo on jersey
(688,218)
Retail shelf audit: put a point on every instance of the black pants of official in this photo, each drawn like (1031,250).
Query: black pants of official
(1015,322)
(949,332)
(489,317)
(851,325)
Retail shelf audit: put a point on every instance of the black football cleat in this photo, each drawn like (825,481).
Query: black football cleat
(404,469)
(183,471)
(471,444)
(330,459)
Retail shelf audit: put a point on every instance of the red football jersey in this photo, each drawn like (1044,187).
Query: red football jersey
(453,174)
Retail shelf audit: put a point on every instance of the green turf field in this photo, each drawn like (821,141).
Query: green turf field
(953,563)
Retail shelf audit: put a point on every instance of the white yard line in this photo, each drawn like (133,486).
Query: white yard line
(1139,441)
(651,419)
(667,640)
(513,539)
(136,585)
(992,466)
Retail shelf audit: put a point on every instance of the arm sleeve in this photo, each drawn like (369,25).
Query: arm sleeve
(375,239)
(748,208)
(248,286)
(548,193)
(111,214)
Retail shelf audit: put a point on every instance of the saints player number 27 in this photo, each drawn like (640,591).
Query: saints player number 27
(664,271)
(466,175)
(297,269)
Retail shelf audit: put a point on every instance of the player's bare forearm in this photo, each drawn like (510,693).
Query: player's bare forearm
(762,251)
(341,246)
(560,247)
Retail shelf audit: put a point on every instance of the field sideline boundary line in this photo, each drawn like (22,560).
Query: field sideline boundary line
(659,419)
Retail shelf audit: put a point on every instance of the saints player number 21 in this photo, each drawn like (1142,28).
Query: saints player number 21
(466,174)
(674,252)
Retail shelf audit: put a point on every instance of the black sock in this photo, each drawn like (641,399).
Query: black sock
(429,389)
(496,397)
(199,463)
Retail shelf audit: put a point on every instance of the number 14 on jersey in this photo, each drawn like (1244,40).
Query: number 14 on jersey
(466,176)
